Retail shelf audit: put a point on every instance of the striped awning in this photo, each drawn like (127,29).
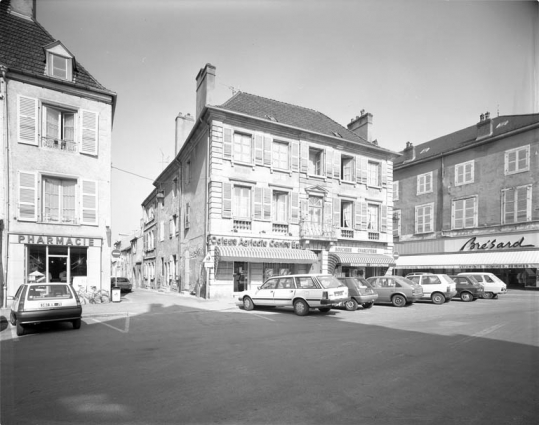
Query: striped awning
(473,260)
(266,255)
(361,260)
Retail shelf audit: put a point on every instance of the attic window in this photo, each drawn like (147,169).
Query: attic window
(336,134)
(424,151)
(59,66)
(502,124)
(271,117)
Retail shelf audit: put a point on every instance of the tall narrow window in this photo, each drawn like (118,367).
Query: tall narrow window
(346,214)
(373,173)
(373,217)
(243,148)
(59,200)
(464,173)
(517,204)
(315,209)
(517,160)
(58,128)
(347,165)
(464,213)
(242,202)
(315,162)
(281,155)
(59,66)
(424,218)
(424,183)
(280,207)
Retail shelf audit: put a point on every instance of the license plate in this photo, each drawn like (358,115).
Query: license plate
(51,304)
(338,293)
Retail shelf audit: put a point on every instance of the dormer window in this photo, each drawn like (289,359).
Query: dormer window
(59,61)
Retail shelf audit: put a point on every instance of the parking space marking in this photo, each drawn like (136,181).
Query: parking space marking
(125,330)
(480,334)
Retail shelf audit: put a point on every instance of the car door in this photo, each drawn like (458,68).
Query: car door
(309,289)
(284,291)
(264,294)
(384,291)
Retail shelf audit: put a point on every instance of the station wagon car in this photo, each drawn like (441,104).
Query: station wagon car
(302,292)
(360,292)
(45,302)
(468,289)
(492,284)
(396,290)
(439,288)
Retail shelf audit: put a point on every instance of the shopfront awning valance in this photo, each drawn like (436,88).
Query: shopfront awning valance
(361,260)
(266,255)
(492,259)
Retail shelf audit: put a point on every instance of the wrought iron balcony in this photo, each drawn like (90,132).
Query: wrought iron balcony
(58,144)
(313,230)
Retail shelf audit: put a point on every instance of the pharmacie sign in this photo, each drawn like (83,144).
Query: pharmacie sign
(249,242)
(473,244)
(55,240)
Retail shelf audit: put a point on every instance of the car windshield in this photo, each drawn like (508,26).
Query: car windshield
(330,282)
(401,279)
(361,282)
(39,292)
(446,278)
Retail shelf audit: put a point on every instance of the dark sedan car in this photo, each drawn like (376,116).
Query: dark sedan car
(468,289)
(360,292)
(123,283)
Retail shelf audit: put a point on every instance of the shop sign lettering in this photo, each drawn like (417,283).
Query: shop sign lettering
(471,244)
(247,242)
(56,240)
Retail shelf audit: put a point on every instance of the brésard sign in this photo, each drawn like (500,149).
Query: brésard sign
(473,245)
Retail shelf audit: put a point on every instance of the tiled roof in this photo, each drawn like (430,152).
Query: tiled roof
(21,48)
(500,125)
(285,113)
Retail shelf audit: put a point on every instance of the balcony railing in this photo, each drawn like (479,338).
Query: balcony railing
(279,228)
(309,229)
(347,234)
(59,220)
(62,145)
(242,225)
(374,236)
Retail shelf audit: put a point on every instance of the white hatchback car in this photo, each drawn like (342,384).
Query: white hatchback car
(302,292)
(439,288)
(491,283)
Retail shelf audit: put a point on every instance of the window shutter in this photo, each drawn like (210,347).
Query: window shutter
(304,157)
(328,217)
(227,143)
(267,151)
(28,117)
(329,162)
(294,148)
(384,172)
(362,164)
(259,149)
(89,202)
(187,217)
(383,219)
(364,216)
(227,200)
(267,203)
(89,132)
(294,208)
(257,204)
(27,196)
(337,164)
(357,216)
(337,212)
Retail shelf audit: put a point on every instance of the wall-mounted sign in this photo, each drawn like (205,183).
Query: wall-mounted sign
(473,245)
(54,240)
(355,250)
(246,242)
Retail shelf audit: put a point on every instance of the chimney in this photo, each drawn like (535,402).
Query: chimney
(484,126)
(184,125)
(25,8)
(408,154)
(362,126)
(205,87)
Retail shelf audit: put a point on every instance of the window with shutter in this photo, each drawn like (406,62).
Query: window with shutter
(281,158)
(89,132)
(241,206)
(227,200)
(424,218)
(27,196)
(464,173)
(464,213)
(59,200)
(27,120)
(517,160)
(258,200)
(259,149)
(517,204)
(424,183)
(294,153)
(267,151)
(315,164)
(89,202)
(383,219)
(227,143)
(348,171)
(294,208)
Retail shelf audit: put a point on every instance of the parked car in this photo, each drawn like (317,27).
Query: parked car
(492,284)
(45,302)
(360,292)
(302,292)
(468,289)
(395,289)
(123,283)
(439,288)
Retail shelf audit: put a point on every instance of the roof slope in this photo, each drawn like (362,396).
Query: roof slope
(444,144)
(292,115)
(21,49)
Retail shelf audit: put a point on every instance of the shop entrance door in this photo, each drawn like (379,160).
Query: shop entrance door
(241,276)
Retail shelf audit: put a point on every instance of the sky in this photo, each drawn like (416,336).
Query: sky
(422,68)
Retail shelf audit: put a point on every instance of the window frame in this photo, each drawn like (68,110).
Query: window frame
(516,151)
(460,169)
(274,209)
(275,163)
(235,144)
(422,181)
(249,202)
(320,153)
(68,62)
(416,218)
(464,218)
(348,165)
(371,173)
(529,203)
(45,203)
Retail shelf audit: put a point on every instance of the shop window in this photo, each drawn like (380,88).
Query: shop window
(277,269)
(316,158)
(281,155)
(464,173)
(517,203)
(517,160)
(55,263)
(424,218)
(464,213)
(424,183)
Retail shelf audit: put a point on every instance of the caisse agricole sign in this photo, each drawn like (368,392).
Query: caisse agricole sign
(473,244)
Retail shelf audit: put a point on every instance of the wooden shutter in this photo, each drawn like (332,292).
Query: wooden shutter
(294,208)
(384,172)
(267,203)
(89,132)
(27,196)
(328,213)
(267,151)
(337,164)
(28,119)
(89,202)
(337,212)
(361,169)
(294,150)
(383,219)
(227,143)
(304,157)
(329,162)
(357,218)
(259,149)
(305,210)
(257,213)
(364,215)
(227,200)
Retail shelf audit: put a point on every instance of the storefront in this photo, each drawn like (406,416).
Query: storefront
(244,263)
(513,258)
(53,258)
(356,261)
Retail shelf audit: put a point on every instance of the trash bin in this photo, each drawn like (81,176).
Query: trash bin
(115,294)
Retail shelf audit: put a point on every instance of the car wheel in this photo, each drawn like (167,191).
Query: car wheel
(398,300)
(466,297)
(488,295)
(324,309)
(248,304)
(76,323)
(495,296)
(438,298)
(12,319)
(301,308)
(20,329)
(351,305)
(367,305)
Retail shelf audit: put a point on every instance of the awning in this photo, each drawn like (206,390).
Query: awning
(473,260)
(361,260)
(265,255)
